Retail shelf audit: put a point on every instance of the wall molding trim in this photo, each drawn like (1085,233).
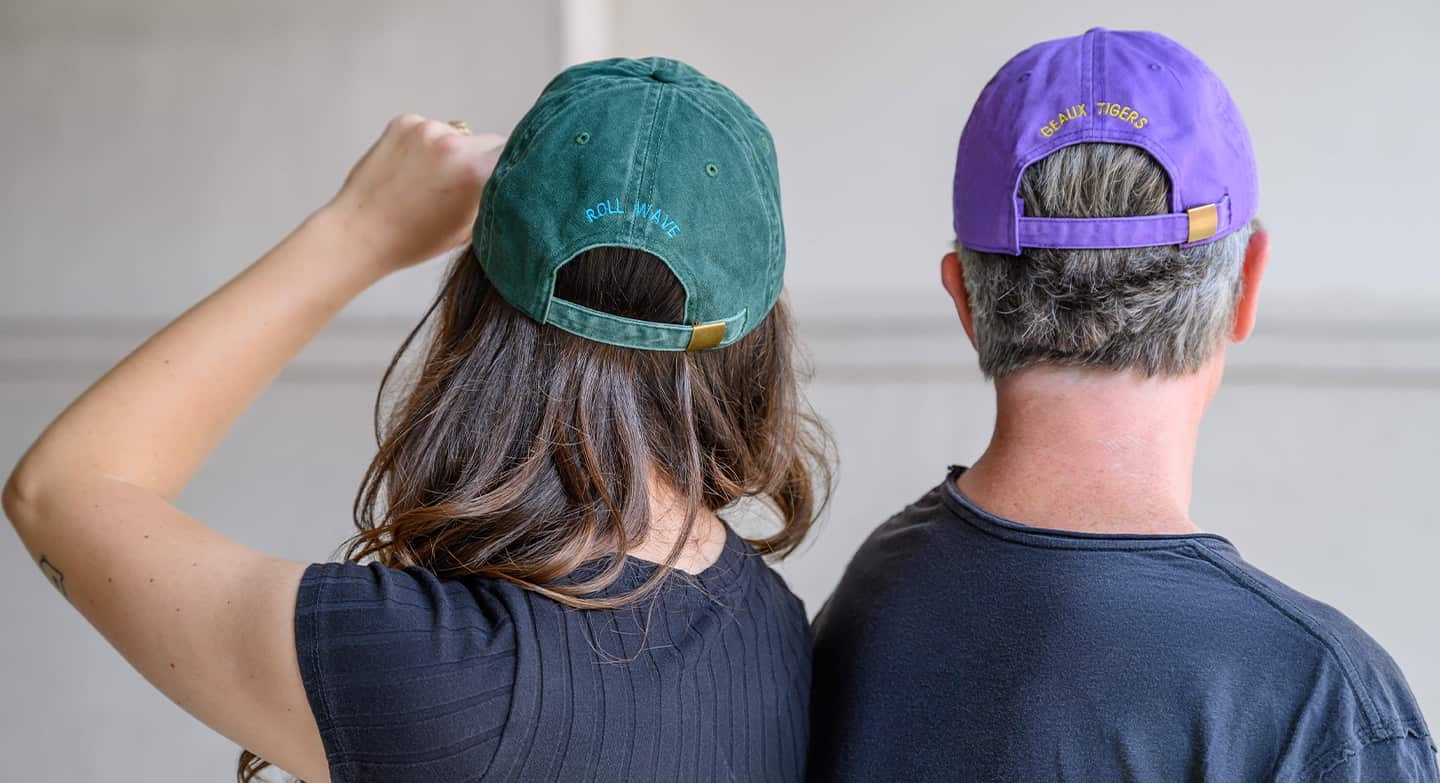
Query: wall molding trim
(848,340)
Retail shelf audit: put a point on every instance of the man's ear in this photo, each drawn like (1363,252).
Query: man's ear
(953,278)
(1257,254)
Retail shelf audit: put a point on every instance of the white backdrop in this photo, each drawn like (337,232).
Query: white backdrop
(152,149)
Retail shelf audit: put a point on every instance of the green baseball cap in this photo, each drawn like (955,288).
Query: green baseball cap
(645,154)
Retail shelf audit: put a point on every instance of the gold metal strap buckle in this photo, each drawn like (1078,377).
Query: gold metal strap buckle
(703,337)
(1203,222)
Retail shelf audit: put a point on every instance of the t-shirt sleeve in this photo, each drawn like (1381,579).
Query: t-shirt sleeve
(1407,759)
(409,676)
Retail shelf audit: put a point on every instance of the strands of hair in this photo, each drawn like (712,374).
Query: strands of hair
(518,451)
(1155,310)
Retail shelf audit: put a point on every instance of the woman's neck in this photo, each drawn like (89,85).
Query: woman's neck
(701,548)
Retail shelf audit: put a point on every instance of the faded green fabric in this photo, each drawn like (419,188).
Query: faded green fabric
(646,154)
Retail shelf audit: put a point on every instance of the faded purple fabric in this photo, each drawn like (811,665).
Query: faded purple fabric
(1136,88)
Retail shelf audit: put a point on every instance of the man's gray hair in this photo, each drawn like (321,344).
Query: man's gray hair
(1155,310)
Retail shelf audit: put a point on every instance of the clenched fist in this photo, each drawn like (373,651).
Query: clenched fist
(415,193)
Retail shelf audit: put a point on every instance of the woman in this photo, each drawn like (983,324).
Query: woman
(548,591)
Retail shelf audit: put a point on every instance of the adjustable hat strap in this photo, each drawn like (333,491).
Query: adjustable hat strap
(1197,225)
(648,335)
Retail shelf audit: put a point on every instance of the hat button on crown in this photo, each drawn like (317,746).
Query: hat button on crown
(665,71)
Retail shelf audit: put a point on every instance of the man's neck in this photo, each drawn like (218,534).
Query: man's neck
(1093,451)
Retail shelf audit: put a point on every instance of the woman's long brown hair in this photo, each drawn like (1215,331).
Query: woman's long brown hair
(518,451)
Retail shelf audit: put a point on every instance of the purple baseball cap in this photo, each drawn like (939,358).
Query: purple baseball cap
(1122,87)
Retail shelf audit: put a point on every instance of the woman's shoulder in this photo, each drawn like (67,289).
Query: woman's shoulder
(404,668)
(367,597)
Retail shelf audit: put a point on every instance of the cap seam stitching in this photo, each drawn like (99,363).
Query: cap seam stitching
(633,231)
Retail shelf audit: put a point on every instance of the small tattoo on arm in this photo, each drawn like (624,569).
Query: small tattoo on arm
(55,575)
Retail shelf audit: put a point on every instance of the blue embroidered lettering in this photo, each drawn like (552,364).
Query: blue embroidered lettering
(603,209)
(658,216)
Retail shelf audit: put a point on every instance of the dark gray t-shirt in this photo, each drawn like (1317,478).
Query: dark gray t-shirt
(964,647)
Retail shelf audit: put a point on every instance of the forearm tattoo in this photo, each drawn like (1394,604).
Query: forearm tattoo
(55,575)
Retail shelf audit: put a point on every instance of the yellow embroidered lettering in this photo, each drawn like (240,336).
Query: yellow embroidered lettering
(1121,112)
(1070,113)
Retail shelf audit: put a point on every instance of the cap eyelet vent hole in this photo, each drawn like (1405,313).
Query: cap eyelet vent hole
(1024,77)
(583,138)
(1154,66)
(712,169)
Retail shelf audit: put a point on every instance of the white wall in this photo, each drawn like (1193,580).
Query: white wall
(152,149)
(154,146)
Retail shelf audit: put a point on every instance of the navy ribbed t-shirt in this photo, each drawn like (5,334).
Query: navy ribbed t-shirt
(960,646)
(415,678)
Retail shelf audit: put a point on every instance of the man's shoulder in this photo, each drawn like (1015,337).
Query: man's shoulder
(910,536)
(1342,690)
(1364,672)
(896,570)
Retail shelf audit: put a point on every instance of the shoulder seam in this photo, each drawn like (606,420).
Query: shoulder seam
(1304,620)
(1325,763)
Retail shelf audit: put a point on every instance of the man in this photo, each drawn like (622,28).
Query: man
(1052,613)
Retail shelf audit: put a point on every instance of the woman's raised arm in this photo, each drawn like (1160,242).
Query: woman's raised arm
(206,620)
